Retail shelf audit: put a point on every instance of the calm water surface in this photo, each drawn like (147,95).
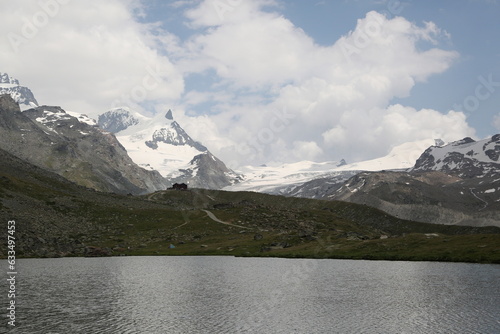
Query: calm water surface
(253,295)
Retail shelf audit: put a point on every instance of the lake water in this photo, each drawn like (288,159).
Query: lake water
(253,295)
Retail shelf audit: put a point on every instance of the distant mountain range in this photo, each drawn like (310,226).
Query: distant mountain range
(126,152)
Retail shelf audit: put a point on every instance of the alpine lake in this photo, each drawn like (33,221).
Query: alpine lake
(226,294)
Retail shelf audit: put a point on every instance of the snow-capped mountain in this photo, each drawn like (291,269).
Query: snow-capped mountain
(20,94)
(298,179)
(159,143)
(72,146)
(465,158)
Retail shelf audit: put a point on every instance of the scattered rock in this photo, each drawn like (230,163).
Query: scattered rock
(354,236)
(258,236)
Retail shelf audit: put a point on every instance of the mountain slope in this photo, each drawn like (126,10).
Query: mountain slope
(73,147)
(432,196)
(160,143)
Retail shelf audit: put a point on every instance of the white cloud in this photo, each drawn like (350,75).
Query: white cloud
(274,94)
(339,95)
(363,134)
(303,150)
(211,13)
(85,55)
(249,48)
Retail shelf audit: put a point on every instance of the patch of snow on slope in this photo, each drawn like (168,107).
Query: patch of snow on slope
(82,118)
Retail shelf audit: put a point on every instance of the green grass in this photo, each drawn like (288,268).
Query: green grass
(312,233)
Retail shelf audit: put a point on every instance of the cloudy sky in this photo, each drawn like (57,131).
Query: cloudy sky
(260,81)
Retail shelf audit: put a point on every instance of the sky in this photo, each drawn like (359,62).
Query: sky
(268,81)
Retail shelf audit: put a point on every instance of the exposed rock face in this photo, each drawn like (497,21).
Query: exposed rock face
(73,147)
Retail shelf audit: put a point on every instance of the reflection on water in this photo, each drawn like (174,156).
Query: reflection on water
(252,295)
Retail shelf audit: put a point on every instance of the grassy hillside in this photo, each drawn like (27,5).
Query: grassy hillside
(55,217)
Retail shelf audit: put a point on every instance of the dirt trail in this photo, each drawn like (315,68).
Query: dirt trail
(212,216)
(479,198)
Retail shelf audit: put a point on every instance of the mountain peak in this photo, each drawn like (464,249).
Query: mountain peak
(116,120)
(7,79)
(342,163)
(439,142)
(169,115)
(22,95)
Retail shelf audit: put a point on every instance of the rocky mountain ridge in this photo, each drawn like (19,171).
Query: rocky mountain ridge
(72,145)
